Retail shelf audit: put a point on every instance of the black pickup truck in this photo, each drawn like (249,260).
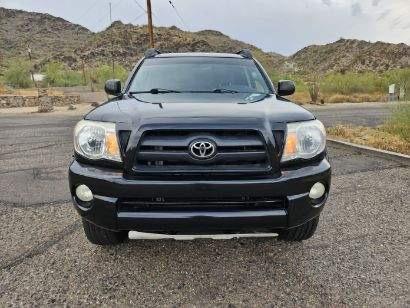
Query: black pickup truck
(199,143)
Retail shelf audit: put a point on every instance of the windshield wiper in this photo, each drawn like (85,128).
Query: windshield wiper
(222,90)
(155,91)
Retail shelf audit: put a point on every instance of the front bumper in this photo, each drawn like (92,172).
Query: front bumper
(110,188)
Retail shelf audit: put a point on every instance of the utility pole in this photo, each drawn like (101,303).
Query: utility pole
(83,69)
(112,46)
(31,66)
(150,27)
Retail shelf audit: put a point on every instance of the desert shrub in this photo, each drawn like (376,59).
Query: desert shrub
(59,76)
(399,122)
(400,77)
(349,87)
(72,79)
(300,97)
(2,86)
(17,73)
(102,73)
(354,98)
(337,98)
(54,73)
(313,88)
(351,83)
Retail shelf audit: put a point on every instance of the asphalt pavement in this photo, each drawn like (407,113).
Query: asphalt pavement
(358,256)
(363,114)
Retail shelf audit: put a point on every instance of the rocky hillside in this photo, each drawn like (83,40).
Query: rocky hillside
(44,34)
(350,55)
(129,43)
(55,39)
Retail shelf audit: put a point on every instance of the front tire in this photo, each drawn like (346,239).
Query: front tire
(300,233)
(103,237)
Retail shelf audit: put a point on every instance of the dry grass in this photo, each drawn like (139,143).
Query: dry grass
(300,97)
(303,97)
(399,122)
(354,98)
(374,137)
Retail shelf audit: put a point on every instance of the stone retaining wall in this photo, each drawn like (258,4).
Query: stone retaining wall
(11,101)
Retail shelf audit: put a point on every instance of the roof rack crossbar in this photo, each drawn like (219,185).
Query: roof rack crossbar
(152,52)
(246,53)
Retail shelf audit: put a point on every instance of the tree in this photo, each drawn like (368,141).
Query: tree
(17,73)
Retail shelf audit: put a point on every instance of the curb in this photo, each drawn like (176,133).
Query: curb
(403,159)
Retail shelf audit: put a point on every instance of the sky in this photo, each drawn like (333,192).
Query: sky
(282,26)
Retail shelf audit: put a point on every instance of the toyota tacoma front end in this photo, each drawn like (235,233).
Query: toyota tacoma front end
(199,143)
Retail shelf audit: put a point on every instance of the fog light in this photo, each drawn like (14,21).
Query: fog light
(317,191)
(84,193)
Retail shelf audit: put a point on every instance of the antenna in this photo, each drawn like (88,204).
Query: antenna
(152,52)
(246,53)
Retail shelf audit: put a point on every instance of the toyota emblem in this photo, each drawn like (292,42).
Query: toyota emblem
(202,149)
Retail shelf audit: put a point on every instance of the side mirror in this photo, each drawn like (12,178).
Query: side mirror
(113,87)
(286,87)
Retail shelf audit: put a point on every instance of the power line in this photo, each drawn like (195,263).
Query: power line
(85,14)
(107,14)
(138,17)
(88,10)
(142,8)
(177,13)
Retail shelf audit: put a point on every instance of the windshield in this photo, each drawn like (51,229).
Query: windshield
(199,74)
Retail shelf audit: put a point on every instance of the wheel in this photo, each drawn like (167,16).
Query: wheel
(100,236)
(300,233)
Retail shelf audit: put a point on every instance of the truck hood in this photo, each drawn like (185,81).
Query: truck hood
(154,107)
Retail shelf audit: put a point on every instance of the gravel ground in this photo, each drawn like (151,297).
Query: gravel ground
(358,257)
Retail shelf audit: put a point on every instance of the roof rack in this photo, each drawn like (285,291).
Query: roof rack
(246,53)
(152,52)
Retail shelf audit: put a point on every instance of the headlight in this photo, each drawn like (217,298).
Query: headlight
(304,140)
(96,140)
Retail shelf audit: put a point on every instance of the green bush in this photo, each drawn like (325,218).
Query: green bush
(17,74)
(58,75)
(400,77)
(54,73)
(399,122)
(102,73)
(369,82)
(72,79)
(351,83)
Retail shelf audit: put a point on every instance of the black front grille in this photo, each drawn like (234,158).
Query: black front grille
(220,203)
(168,151)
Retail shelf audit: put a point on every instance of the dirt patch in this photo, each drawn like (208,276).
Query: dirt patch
(80,110)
